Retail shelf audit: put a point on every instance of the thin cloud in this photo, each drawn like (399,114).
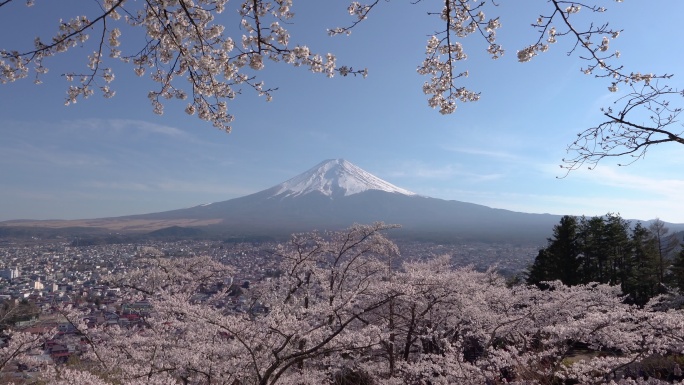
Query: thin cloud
(34,195)
(107,126)
(449,171)
(204,187)
(609,176)
(152,128)
(124,186)
(27,153)
(422,171)
(125,127)
(606,100)
(169,186)
(642,208)
(629,208)
(483,152)
(318,135)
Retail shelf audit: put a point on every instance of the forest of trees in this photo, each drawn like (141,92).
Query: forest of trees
(643,261)
(342,313)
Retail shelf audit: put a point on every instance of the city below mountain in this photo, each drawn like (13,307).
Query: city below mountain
(332,195)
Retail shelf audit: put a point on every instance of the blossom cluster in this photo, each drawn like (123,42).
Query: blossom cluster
(193,54)
(342,309)
(185,44)
(443,52)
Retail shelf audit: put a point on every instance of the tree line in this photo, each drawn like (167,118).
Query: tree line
(643,260)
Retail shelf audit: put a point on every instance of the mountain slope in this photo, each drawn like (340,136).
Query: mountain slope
(336,193)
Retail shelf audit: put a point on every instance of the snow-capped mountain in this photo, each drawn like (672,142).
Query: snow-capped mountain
(330,196)
(334,178)
(335,194)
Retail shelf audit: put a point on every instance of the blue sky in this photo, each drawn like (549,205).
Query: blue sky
(109,157)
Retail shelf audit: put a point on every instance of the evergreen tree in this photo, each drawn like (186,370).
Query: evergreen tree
(618,248)
(541,268)
(564,251)
(666,243)
(593,249)
(605,250)
(642,282)
(677,271)
(559,260)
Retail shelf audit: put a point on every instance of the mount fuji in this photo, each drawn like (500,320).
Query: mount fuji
(335,178)
(332,195)
(335,194)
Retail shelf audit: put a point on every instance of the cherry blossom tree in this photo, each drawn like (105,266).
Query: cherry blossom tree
(301,327)
(645,116)
(463,326)
(16,346)
(345,311)
(188,49)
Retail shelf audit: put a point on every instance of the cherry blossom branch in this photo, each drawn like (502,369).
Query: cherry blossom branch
(620,136)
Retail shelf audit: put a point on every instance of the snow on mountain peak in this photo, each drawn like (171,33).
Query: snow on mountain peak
(335,177)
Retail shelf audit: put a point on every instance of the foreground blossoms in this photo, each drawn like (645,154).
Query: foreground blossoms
(206,53)
(341,312)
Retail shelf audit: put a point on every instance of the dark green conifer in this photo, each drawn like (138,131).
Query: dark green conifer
(642,271)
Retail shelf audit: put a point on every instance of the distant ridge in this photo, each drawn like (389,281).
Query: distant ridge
(176,232)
